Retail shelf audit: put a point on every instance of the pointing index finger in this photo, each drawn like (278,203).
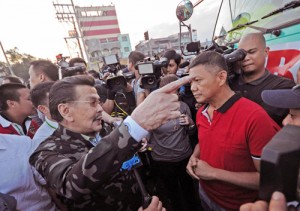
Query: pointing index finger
(175,84)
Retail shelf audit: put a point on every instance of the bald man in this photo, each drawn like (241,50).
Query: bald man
(254,78)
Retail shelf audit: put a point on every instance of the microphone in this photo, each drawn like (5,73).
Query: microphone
(184,64)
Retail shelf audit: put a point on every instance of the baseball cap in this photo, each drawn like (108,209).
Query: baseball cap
(283,98)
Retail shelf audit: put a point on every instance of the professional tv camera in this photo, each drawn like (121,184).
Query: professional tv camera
(70,71)
(232,58)
(117,80)
(151,72)
(280,165)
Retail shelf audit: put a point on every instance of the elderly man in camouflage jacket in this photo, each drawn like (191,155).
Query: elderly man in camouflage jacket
(83,168)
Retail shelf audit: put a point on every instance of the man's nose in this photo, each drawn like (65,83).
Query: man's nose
(286,120)
(193,87)
(99,107)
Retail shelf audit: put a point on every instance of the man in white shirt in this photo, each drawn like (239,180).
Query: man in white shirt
(15,109)
(40,99)
(18,178)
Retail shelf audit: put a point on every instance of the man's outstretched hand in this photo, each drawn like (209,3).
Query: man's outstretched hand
(160,106)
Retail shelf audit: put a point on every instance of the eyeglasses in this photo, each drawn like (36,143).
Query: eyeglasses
(93,103)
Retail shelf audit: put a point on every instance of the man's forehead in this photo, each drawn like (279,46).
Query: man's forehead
(86,91)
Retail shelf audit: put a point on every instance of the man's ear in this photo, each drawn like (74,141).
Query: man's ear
(222,76)
(42,77)
(266,51)
(66,112)
(42,108)
(11,103)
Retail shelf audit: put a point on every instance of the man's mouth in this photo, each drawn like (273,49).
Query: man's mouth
(99,118)
(246,65)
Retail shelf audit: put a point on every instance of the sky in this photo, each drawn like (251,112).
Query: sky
(32,27)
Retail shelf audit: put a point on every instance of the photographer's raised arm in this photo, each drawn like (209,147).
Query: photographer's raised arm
(160,106)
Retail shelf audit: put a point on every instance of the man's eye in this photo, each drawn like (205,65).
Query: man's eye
(95,102)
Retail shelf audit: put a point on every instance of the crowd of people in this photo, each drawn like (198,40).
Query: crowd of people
(68,142)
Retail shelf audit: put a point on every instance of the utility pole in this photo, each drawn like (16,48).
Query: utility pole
(80,32)
(66,13)
(9,66)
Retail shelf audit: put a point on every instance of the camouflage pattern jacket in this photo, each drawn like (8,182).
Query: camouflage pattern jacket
(87,177)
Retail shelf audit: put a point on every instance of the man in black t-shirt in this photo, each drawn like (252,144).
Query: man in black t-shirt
(254,78)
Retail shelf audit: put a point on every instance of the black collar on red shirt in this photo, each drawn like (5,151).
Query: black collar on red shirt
(227,104)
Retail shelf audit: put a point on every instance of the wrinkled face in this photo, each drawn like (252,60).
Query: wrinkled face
(172,67)
(86,111)
(205,84)
(254,61)
(33,77)
(293,118)
(24,106)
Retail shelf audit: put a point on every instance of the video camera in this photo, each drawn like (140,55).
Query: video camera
(232,57)
(280,165)
(116,81)
(71,71)
(151,71)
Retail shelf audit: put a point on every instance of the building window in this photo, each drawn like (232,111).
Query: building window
(124,38)
(126,49)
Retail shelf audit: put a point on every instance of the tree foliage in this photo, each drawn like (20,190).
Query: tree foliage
(19,63)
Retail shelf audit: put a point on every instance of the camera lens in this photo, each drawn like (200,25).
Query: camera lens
(150,81)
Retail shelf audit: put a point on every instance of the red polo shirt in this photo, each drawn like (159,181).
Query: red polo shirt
(237,134)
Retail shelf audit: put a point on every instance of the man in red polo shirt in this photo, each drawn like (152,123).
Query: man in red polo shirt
(232,132)
(15,109)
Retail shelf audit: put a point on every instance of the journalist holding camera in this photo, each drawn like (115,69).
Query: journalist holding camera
(254,77)
(139,93)
(119,100)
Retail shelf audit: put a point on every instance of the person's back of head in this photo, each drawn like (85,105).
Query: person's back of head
(39,94)
(133,58)
(11,79)
(64,91)
(42,71)
(40,97)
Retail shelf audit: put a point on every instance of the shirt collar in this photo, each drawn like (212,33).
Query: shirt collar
(4,122)
(93,140)
(255,82)
(226,105)
(66,134)
(51,123)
